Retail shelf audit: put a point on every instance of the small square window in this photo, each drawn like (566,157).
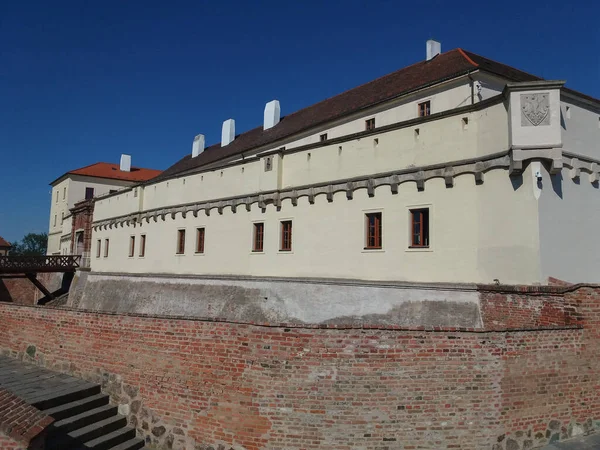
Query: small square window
(258,238)
(98,248)
(323,137)
(89,193)
(419,229)
(286,236)
(425,109)
(373,231)
(142,245)
(370,124)
(106,242)
(180,242)
(200,233)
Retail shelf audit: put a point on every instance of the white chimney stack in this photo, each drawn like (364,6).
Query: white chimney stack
(198,145)
(228,132)
(125,163)
(434,48)
(272,114)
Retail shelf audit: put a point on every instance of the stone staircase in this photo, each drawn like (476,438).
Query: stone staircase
(84,419)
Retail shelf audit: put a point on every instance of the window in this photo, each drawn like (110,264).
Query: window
(419,229)
(180,242)
(98,247)
(54,219)
(57,196)
(106,248)
(373,226)
(62,217)
(259,235)
(268,163)
(112,191)
(323,137)
(64,193)
(135,190)
(370,124)
(200,233)
(286,236)
(89,193)
(424,109)
(131,246)
(142,245)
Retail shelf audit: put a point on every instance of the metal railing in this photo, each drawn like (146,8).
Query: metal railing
(37,263)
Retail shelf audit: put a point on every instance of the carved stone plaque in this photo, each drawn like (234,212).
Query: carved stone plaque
(535,109)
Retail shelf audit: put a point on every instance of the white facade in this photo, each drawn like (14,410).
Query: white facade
(480,170)
(67,191)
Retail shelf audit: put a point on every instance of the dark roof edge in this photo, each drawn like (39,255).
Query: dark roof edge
(233,160)
(454,76)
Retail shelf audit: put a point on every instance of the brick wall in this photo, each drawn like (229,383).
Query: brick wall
(22,291)
(21,425)
(197,384)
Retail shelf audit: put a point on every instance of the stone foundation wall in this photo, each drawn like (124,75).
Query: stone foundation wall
(295,301)
(201,384)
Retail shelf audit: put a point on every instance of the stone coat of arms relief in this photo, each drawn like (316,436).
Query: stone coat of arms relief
(535,109)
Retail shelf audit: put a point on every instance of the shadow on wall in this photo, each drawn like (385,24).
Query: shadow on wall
(4,293)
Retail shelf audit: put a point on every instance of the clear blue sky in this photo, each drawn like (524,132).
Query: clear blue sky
(82,82)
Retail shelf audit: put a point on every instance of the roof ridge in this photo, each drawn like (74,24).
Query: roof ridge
(462,52)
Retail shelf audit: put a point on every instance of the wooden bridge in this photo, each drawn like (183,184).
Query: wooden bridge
(29,266)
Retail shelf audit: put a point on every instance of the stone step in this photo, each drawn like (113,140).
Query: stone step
(98,429)
(108,441)
(66,394)
(77,407)
(85,418)
(132,444)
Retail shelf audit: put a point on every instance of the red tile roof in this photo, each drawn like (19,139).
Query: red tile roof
(4,243)
(422,74)
(111,171)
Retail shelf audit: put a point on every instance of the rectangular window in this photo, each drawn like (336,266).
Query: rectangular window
(106,248)
(142,245)
(419,220)
(56,196)
(259,236)
(180,242)
(323,137)
(286,236)
(54,219)
(64,193)
(112,191)
(373,226)
(98,247)
(62,217)
(131,246)
(370,124)
(89,193)
(424,109)
(200,233)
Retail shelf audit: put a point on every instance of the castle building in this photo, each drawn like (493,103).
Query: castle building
(85,184)
(456,169)
(4,247)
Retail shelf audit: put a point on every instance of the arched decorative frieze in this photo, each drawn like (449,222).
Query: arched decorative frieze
(419,176)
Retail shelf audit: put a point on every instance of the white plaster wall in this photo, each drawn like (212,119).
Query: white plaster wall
(569,220)
(328,238)
(443,140)
(70,191)
(580,132)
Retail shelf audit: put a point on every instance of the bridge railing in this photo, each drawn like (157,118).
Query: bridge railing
(37,263)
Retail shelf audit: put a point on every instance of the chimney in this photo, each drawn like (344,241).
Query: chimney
(434,48)
(125,163)
(228,132)
(198,145)
(272,114)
